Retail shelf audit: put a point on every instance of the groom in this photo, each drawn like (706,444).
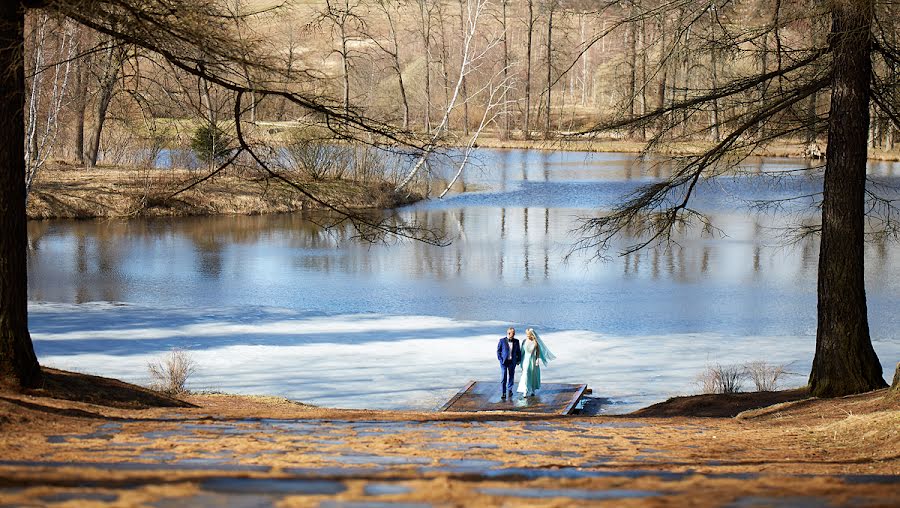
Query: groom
(509,354)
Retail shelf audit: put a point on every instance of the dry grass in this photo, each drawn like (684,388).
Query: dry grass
(79,193)
(170,375)
(765,375)
(723,379)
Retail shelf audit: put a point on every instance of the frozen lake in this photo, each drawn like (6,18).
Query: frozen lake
(274,305)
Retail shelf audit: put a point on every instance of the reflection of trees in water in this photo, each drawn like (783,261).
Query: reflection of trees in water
(93,265)
(489,244)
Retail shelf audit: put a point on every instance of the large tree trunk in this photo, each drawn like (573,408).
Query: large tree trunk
(845,362)
(18,363)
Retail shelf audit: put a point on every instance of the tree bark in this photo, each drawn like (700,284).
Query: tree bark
(845,362)
(18,364)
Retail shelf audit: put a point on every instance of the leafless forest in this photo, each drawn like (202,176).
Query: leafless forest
(443,71)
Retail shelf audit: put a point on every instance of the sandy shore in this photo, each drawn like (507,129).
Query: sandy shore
(90,441)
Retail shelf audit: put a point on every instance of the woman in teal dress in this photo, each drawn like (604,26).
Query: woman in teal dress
(534,351)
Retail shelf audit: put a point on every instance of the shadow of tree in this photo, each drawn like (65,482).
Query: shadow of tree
(101,391)
(719,405)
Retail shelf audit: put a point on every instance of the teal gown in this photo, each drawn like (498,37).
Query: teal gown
(530,379)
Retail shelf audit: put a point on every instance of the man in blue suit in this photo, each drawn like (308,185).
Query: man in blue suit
(509,354)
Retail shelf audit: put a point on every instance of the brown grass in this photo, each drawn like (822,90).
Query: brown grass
(65,192)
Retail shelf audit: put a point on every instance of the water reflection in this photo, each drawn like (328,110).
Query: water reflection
(507,262)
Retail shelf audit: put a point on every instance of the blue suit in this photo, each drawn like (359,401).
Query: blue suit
(508,359)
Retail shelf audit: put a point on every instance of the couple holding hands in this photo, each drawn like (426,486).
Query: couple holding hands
(529,355)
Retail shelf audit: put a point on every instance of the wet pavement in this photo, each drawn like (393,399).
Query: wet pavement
(348,463)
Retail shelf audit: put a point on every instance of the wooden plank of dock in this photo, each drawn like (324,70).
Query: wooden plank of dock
(552,398)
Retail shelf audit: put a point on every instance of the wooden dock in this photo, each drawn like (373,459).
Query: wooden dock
(552,398)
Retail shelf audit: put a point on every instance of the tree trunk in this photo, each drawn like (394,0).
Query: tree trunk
(845,362)
(425,13)
(82,75)
(643,45)
(528,70)
(549,68)
(396,56)
(505,75)
(111,66)
(18,363)
(465,93)
(714,75)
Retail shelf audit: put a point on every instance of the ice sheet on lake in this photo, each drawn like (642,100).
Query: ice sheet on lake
(384,361)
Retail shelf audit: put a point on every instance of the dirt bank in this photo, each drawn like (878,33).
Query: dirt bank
(78,193)
(212,450)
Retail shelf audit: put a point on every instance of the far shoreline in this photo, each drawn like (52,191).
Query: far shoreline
(62,191)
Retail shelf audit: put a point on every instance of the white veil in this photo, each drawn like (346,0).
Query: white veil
(545,354)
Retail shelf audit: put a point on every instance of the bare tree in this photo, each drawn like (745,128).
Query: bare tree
(506,64)
(110,66)
(53,69)
(394,52)
(472,54)
(346,23)
(529,24)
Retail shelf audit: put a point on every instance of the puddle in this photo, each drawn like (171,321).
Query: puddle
(597,461)
(871,478)
(779,502)
(213,500)
(617,425)
(138,466)
(294,427)
(333,442)
(573,473)
(385,489)
(165,434)
(369,504)
(340,472)
(81,437)
(570,493)
(459,446)
(62,497)
(471,463)
(376,459)
(156,455)
(545,452)
(211,462)
(273,486)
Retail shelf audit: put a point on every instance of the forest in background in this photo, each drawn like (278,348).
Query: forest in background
(446,71)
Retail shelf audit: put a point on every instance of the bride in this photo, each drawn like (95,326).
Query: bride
(534,351)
